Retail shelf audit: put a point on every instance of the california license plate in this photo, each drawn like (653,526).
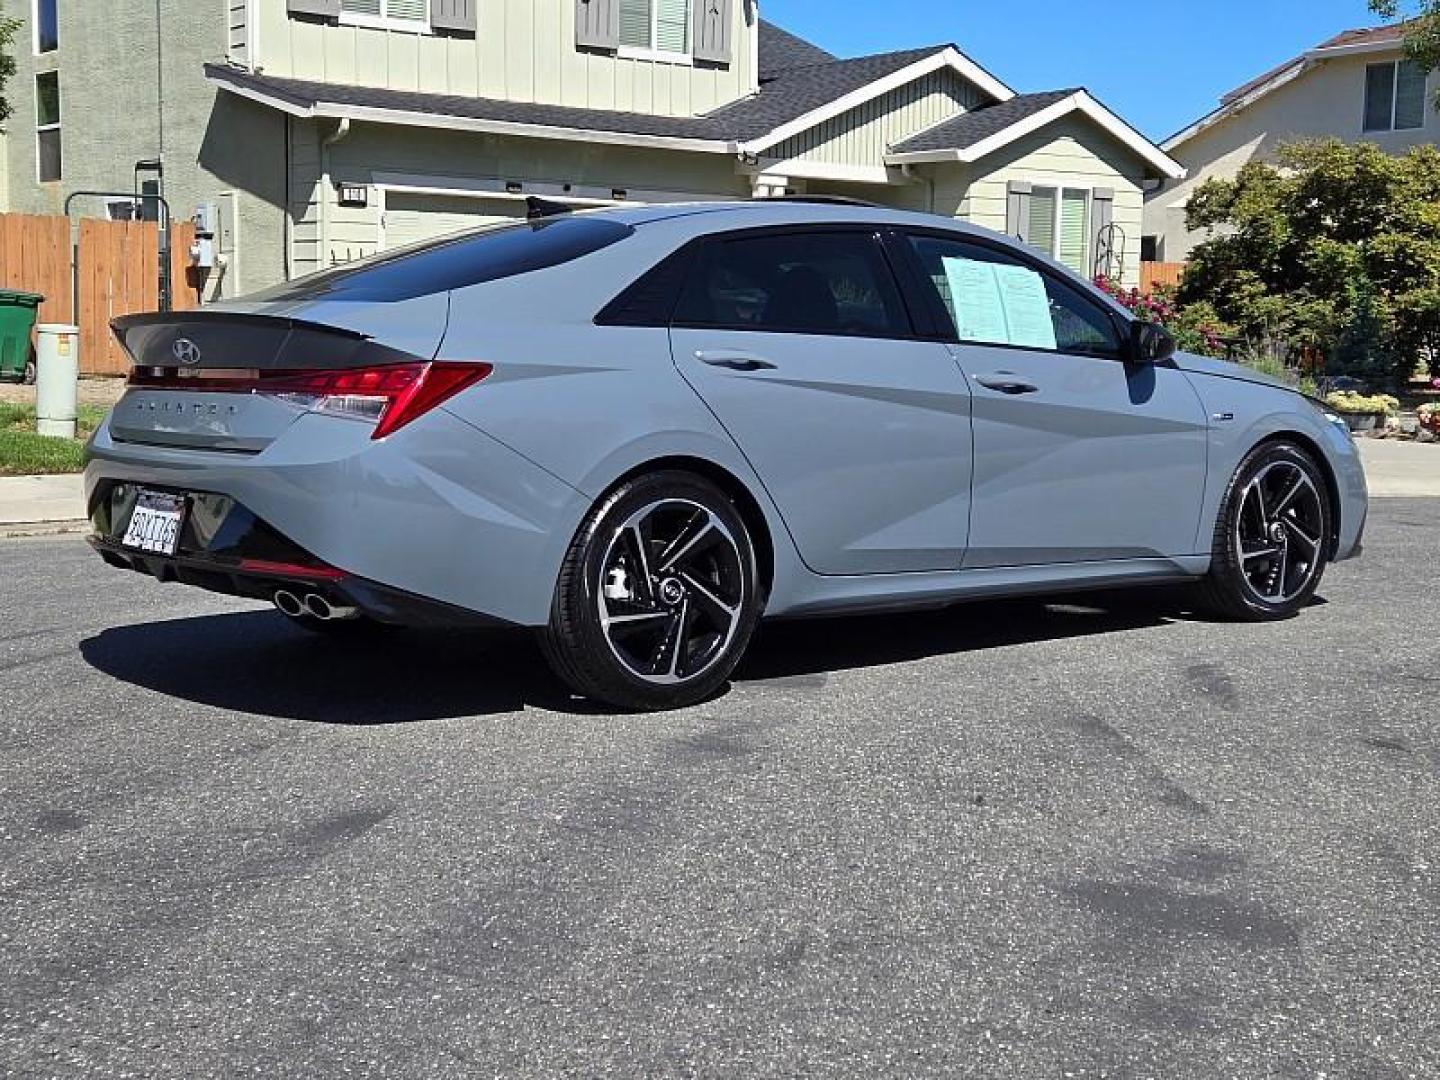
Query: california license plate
(155,524)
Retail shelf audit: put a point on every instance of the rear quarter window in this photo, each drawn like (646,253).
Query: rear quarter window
(469,258)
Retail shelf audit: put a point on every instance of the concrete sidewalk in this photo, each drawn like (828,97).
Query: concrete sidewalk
(1399,469)
(30,504)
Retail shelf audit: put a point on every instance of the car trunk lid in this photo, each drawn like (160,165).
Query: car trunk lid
(194,372)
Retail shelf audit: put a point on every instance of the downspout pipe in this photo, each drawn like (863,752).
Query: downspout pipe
(327,188)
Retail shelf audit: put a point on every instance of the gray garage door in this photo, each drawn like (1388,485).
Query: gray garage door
(410,218)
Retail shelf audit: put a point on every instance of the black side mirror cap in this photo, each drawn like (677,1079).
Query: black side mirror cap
(1150,344)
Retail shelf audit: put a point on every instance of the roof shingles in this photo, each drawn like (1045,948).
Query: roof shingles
(968,129)
(787,94)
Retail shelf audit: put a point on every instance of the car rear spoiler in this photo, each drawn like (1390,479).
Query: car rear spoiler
(223,339)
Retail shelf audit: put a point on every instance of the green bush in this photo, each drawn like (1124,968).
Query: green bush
(1335,250)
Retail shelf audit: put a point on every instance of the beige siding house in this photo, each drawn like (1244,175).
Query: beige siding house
(1355,87)
(391,121)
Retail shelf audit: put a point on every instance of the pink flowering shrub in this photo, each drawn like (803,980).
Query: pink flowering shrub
(1193,329)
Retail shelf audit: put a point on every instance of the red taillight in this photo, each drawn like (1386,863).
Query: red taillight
(392,395)
(438,383)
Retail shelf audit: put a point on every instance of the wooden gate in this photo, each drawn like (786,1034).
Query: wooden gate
(118,274)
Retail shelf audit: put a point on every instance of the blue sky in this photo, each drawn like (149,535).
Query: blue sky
(1160,64)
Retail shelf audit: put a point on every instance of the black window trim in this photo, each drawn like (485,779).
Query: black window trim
(942,321)
(697,250)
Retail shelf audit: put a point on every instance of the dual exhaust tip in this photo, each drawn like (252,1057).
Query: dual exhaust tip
(312,605)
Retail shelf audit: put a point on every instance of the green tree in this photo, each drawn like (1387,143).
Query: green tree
(1335,250)
(1422,35)
(8,27)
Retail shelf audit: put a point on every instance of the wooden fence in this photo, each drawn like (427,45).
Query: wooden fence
(1158,273)
(119,274)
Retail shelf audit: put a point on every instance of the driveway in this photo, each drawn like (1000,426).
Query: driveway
(1097,838)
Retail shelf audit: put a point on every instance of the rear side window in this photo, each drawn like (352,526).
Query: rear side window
(801,283)
(991,298)
(468,258)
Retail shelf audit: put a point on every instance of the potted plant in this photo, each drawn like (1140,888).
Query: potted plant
(1362,412)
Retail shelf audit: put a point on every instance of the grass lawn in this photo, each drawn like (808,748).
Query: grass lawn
(23,453)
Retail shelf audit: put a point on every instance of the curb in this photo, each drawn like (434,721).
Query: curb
(12,530)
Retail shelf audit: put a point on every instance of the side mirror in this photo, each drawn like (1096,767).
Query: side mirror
(1150,344)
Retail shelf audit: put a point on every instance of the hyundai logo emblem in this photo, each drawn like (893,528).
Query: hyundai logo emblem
(186,351)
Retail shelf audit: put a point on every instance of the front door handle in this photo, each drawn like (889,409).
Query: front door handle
(1006,384)
(735,361)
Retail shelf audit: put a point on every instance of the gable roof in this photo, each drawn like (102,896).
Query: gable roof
(793,92)
(798,98)
(982,132)
(780,49)
(1364,39)
(799,92)
(967,129)
(803,87)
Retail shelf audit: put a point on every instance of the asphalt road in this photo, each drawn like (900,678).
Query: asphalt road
(1096,839)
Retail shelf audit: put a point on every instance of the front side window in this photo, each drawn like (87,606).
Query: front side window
(994,299)
(657,25)
(47,26)
(817,283)
(47,126)
(1060,225)
(1394,96)
(411,13)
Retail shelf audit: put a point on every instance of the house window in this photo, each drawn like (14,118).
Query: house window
(655,25)
(1060,225)
(47,26)
(1394,96)
(412,15)
(47,125)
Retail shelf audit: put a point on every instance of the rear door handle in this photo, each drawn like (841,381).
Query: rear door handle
(735,361)
(1006,384)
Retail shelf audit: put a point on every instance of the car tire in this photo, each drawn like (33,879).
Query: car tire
(658,595)
(1272,537)
(29,377)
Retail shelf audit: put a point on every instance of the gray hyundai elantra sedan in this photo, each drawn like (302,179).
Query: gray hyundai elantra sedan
(641,430)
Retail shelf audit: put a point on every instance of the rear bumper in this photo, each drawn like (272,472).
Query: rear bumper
(438,522)
(232,578)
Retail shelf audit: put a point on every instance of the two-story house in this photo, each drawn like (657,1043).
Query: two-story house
(1357,86)
(325,130)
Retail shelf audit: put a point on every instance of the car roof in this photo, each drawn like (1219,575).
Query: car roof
(718,215)
(715,217)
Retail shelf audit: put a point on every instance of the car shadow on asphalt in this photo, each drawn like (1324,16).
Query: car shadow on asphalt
(789,649)
(256,662)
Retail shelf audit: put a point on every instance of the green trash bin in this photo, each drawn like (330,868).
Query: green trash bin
(17,319)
